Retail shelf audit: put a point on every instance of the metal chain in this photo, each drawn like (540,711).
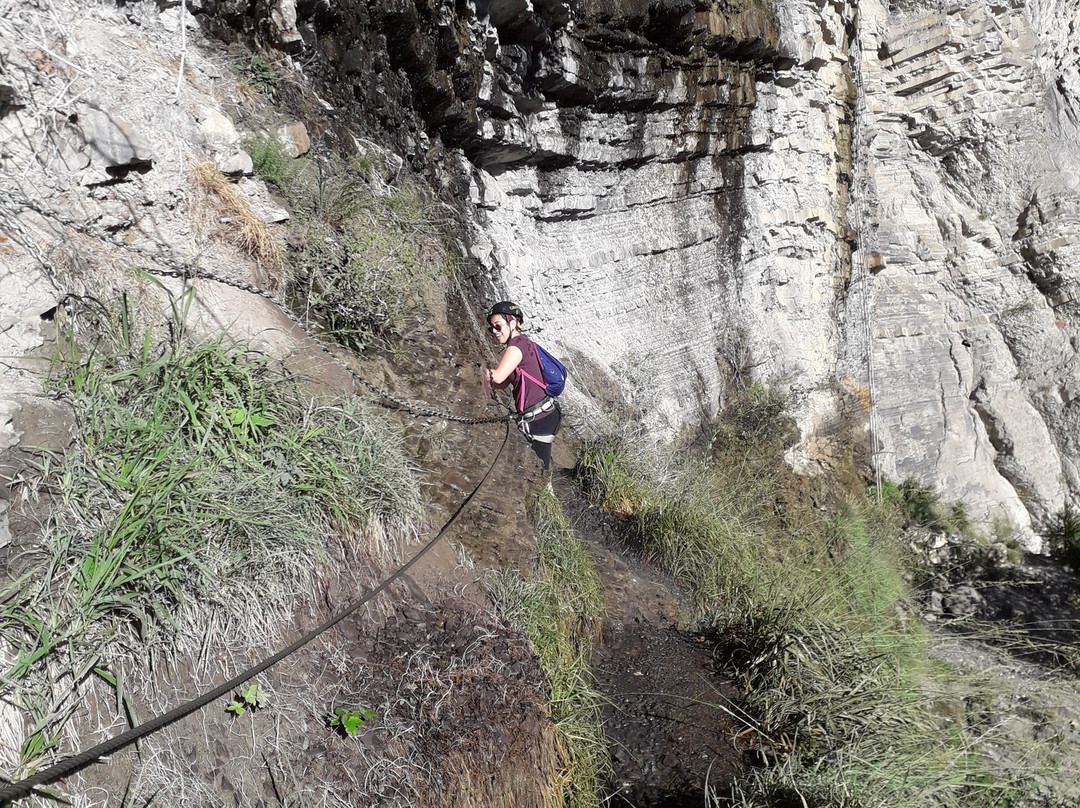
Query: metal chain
(412,408)
(9,221)
(186,272)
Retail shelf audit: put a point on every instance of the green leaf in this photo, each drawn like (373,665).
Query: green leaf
(236,708)
(254,696)
(351,720)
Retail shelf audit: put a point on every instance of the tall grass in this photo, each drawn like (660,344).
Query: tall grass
(560,612)
(361,253)
(808,611)
(203,482)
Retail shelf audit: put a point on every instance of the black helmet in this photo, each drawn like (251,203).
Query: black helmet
(507,309)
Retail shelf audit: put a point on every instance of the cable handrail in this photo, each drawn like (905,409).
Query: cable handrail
(24,787)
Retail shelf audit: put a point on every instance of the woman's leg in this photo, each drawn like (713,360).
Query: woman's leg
(546,427)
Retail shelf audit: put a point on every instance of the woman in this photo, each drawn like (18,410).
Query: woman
(539,416)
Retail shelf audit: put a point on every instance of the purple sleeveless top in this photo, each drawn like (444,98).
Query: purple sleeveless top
(534,393)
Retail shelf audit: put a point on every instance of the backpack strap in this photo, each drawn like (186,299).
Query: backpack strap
(530,377)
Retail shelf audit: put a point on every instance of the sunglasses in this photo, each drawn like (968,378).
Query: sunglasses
(495,328)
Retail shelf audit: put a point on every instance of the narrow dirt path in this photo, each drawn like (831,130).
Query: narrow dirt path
(660,685)
(667,736)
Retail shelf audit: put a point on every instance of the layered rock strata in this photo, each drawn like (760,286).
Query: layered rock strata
(863,204)
(872,204)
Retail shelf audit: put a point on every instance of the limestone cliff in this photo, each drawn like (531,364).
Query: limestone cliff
(865,203)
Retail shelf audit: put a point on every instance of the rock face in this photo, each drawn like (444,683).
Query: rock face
(877,208)
(877,205)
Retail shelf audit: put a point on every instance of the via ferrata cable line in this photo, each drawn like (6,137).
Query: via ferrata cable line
(24,787)
(185,272)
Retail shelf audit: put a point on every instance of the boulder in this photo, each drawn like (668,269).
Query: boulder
(114,144)
(216,127)
(236,164)
(294,138)
(283,25)
(963,601)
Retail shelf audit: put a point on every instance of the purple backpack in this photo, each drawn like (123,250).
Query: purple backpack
(552,370)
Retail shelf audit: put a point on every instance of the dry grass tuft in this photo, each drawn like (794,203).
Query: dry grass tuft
(254,237)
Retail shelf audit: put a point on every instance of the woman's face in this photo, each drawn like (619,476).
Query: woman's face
(499,328)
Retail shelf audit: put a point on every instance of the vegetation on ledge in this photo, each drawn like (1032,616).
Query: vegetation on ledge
(361,251)
(810,611)
(560,612)
(201,493)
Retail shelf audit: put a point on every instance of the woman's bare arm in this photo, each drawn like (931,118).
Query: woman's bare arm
(508,363)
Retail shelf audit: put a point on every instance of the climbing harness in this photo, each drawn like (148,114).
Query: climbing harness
(24,787)
(547,404)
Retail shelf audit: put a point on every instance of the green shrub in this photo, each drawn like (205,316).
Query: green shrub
(360,254)
(921,502)
(755,424)
(271,163)
(922,506)
(1063,536)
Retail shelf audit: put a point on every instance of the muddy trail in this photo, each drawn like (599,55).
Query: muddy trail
(661,688)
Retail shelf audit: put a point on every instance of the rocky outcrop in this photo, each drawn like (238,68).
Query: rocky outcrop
(878,203)
(975,220)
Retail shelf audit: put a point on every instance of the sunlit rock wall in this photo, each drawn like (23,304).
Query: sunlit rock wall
(809,194)
(858,203)
(664,188)
(971,151)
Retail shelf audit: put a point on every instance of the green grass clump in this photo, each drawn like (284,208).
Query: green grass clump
(203,488)
(271,163)
(808,610)
(361,253)
(560,612)
(921,505)
(1063,536)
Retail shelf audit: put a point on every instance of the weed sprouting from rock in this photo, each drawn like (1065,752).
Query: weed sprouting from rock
(361,252)
(257,77)
(251,233)
(1063,536)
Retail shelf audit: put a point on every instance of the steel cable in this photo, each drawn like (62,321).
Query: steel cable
(24,787)
(410,407)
